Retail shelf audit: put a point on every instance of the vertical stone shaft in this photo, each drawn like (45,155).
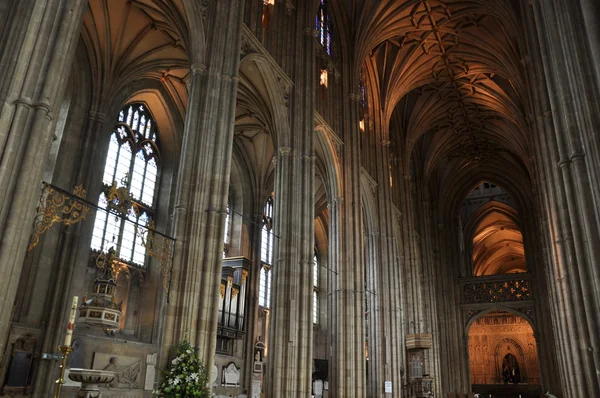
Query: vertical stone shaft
(546,198)
(572,90)
(348,297)
(42,37)
(203,185)
(389,336)
(252,289)
(291,328)
(430,248)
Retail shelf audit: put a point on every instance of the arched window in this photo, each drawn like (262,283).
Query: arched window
(266,255)
(266,242)
(227,233)
(132,161)
(362,91)
(315,288)
(264,287)
(323,27)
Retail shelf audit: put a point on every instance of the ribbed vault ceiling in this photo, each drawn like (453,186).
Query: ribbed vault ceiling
(130,40)
(498,246)
(448,82)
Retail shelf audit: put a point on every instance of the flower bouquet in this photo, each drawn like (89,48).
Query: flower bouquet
(186,376)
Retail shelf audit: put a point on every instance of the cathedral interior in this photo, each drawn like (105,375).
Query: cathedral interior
(325,198)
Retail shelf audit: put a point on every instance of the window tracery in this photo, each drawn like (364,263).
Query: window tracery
(266,255)
(132,162)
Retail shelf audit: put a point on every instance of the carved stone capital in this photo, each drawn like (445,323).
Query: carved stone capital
(97,116)
(197,68)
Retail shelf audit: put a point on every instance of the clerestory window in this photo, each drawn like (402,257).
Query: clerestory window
(323,27)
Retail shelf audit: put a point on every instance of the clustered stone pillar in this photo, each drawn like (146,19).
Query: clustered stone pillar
(565,112)
(38,51)
(203,185)
(348,375)
(289,367)
(385,290)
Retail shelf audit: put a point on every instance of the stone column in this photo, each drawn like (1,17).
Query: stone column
(591,12)
(252,310)
(291,328)
(570,171)
(35,65)
(203,185)
(348,295)
(386,290)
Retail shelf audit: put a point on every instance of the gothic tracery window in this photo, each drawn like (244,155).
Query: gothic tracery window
(323,27)
(132,161)
(266,255)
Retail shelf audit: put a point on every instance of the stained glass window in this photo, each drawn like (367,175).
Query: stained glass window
(323,27)
(132,161)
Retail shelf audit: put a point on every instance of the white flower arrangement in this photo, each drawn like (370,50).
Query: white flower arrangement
(186,377)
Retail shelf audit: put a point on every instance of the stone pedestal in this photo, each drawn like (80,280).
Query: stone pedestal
(90,381)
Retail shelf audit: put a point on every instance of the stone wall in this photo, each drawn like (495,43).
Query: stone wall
(492,338)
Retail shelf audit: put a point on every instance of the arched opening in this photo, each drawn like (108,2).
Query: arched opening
(492,234)
(511,372)
(503,357)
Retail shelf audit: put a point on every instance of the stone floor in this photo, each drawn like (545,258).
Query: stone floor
(508,390)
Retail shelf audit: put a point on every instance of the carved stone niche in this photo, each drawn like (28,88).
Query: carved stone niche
(20,366)
(259,352)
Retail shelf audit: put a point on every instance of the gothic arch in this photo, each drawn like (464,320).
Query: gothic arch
(503,237)
(495,308)
(194,11)
(264,93)
(328,159)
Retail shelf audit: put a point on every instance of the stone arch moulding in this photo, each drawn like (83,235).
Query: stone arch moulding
(368,191)
(470,315)
(327,148)
(475,219)
(277,83)
(500,352)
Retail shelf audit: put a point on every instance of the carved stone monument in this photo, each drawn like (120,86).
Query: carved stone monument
(231,375)
(127,370)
